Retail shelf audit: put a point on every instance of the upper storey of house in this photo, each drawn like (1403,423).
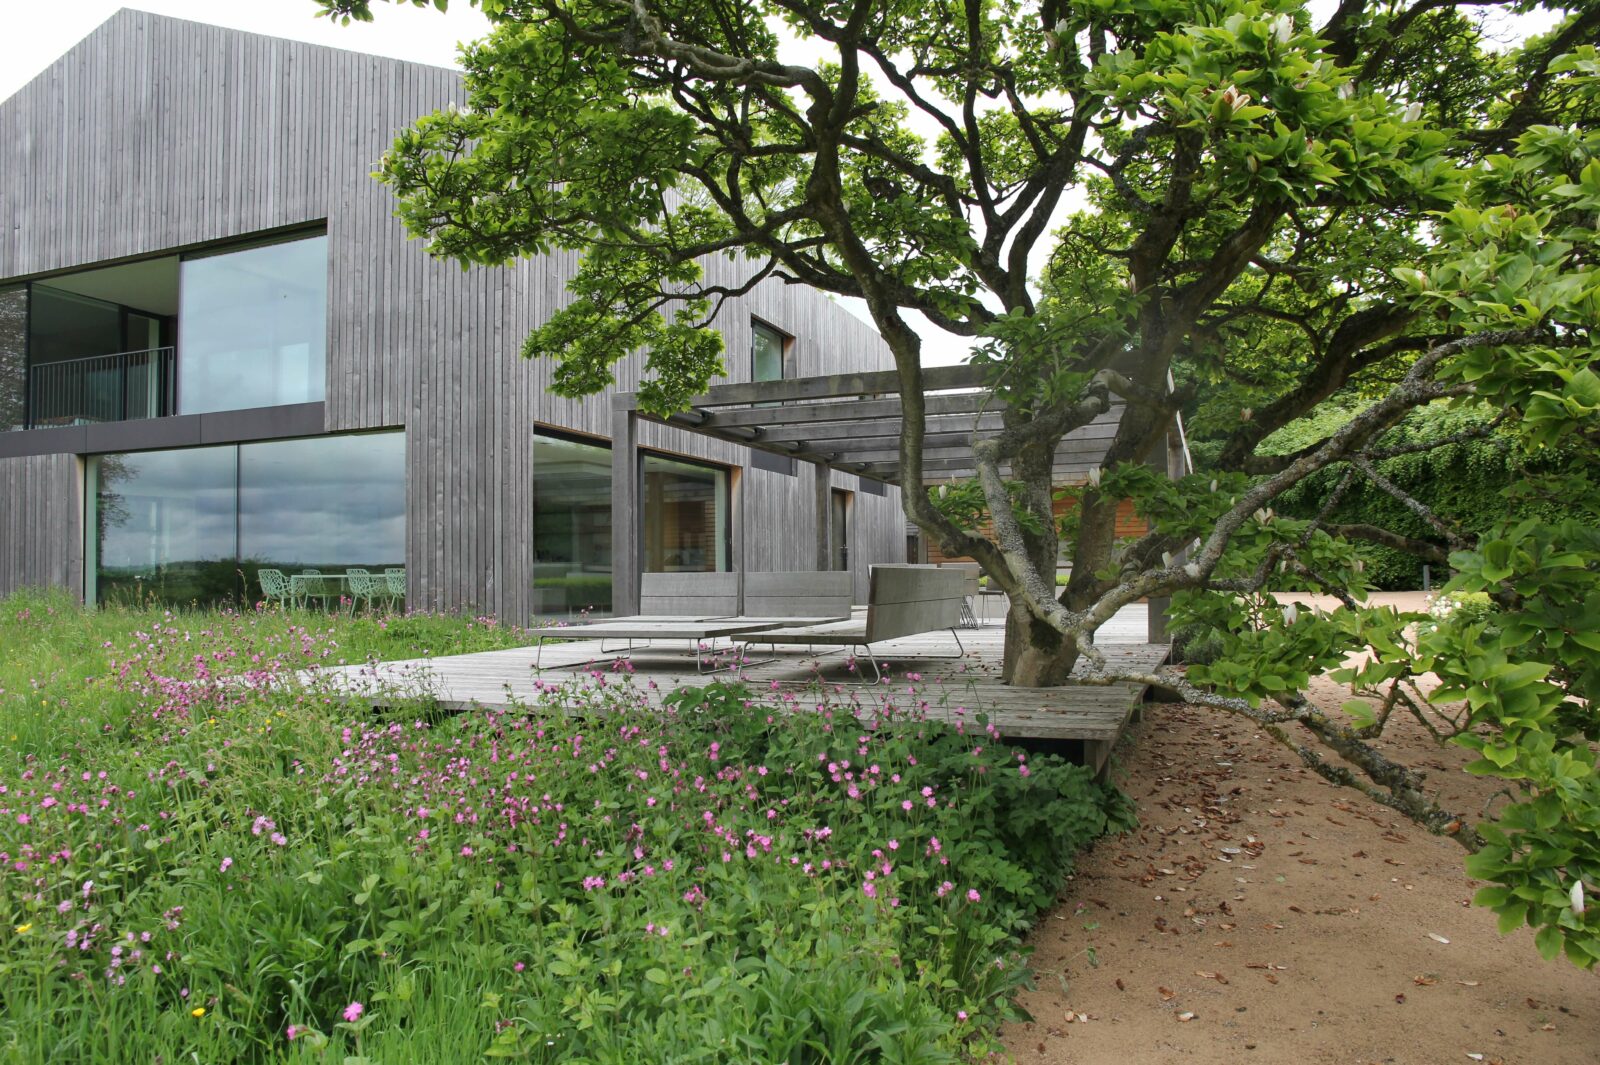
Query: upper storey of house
(189,226)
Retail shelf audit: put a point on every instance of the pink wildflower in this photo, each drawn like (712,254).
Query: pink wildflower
(353,1011)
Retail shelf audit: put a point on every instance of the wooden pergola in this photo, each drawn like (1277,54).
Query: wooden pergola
(847,422)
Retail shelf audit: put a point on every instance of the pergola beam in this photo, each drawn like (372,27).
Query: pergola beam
(852,423)
(830,386)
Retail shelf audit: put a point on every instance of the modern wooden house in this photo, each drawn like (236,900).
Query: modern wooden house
(219,351)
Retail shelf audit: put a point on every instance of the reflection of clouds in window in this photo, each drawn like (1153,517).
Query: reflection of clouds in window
(339,501)
(325,501)
(159,506)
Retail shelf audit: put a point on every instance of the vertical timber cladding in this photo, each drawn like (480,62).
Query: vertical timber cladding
(155,133)
(41,523)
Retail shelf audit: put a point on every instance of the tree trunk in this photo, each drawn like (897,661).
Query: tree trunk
(1037,656)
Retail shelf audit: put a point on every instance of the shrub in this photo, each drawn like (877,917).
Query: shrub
(1195,645)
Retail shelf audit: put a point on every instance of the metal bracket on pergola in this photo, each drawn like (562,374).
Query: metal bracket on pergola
(848,422)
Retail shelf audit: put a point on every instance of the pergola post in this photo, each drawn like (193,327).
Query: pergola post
(624,510)
(824,486)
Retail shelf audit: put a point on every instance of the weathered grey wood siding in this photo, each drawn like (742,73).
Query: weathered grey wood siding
(154,134)
(41,523)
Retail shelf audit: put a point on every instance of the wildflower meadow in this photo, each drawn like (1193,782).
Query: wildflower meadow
(208,856)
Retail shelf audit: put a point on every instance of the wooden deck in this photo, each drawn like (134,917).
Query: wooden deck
(920,675)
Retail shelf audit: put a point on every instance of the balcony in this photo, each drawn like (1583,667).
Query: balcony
(127,386)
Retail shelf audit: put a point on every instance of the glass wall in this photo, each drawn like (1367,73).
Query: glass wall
(252,328)
(197,524)
(571,527)
(162,525)
(326,503)
(13,356)
(685,516)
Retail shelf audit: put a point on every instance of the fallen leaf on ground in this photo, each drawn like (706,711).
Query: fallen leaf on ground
(1185,1016)
(1437,938)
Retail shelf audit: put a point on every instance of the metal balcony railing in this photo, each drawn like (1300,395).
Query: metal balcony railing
(103,388)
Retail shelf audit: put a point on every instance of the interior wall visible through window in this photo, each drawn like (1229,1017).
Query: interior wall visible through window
(685,520)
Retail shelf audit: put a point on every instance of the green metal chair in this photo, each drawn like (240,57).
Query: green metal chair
(364,588)
(395,578)
(275,587)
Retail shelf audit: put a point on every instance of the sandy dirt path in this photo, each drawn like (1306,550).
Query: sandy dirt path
(1295,921)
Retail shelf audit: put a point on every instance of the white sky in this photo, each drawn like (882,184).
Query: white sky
(33,34)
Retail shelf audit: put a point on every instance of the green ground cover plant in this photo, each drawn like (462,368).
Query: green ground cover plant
(206,856)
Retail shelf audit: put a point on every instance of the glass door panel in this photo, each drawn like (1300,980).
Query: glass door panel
(685,516)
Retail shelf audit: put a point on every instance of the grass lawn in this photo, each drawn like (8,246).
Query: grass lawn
(202,858)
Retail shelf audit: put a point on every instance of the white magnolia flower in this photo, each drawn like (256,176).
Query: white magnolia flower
(1413,112)
(1577,897)
(1192,569)
(1094,476)
(1282,29)
(1291,614)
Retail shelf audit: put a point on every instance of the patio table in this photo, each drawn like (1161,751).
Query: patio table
(299,582)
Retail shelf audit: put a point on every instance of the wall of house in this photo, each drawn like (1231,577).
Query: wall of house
(154,134)
(41,523)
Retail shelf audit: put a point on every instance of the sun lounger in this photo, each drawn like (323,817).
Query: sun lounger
(669,602)
(903,601)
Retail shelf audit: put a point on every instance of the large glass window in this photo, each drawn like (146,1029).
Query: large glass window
(162,526)
(197,524)
(13,356)
(571,527)
(685,516)
(326,503)
(252,327)
(97,347)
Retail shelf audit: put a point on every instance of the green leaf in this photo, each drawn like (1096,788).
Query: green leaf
(1548,942)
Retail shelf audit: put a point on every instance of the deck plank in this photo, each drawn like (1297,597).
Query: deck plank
(923,674)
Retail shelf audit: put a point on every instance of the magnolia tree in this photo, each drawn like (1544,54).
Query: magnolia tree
(1291,205)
